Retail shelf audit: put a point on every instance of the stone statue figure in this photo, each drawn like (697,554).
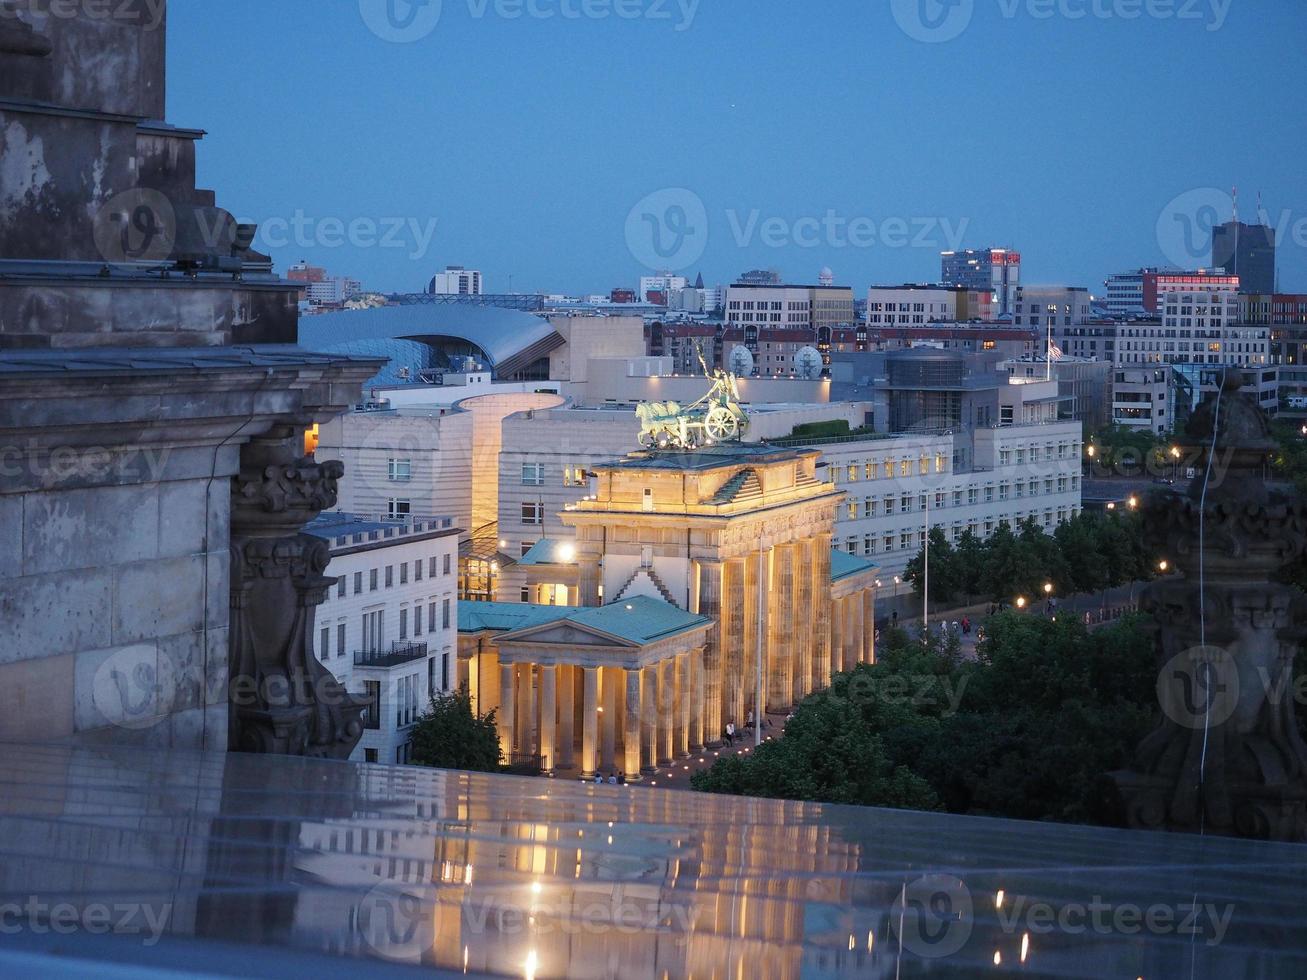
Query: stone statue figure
(1227,757)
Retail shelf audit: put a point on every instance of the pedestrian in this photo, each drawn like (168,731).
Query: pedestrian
(599,778)
(966,626)
(730,733)
(612,779)
(894,618)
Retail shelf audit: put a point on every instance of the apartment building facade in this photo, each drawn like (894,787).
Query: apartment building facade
(913,305)
(898,487)
(389,627)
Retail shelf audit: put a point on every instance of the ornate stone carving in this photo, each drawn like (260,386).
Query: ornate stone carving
(283,700)
(1227,757)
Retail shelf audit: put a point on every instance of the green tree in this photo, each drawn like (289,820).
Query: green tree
(451,736)
(945,573)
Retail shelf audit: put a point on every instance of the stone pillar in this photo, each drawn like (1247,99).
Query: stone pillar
(666,709)
(837,636)
(681,729)
(566,714)
(282,698)
(859,630)
(734,627)
(821,612)
(526,710)
(649,719)
(608,738)
(505,716)
(780,678)
(696,700)
(710,605)
(868,602)
(548,716)
(588,580)
(755,567)
(589,721)
(631,736)
(850,627)
(801,630)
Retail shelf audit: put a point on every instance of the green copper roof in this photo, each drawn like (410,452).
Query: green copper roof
(639,620)
(843,564)
(550,551)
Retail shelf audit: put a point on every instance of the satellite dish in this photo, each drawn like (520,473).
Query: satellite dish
(807,363)
(741,362)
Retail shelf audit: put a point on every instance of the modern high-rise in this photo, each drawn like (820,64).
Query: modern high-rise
(995,269)
(1125,293)
(456,281)
(1246,251)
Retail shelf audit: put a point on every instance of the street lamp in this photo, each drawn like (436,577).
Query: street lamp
(1175,464)
(1163,565)
(1133,501)
(1048,596)
(1021,602)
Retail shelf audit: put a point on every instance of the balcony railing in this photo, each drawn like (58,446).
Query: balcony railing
(398,655)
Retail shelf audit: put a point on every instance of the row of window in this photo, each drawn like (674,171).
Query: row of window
(888,468)
(435,565)
(372,633)
(872,544)
(909,503)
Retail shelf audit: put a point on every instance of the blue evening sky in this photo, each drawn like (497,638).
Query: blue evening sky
(810,133)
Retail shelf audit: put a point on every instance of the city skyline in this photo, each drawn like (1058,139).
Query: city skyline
(608,113)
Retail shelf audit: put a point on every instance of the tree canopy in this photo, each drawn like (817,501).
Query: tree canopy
(1028,730)
(451,736)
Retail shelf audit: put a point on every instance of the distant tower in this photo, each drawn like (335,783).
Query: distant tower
(826,277)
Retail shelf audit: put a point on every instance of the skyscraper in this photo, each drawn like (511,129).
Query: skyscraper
(1246,251)
(995,269)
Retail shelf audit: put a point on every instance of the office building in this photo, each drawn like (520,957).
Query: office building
(1246,251)
(997,270)
(1142,398)
(456,281)
(1125,293)
(1040,307)
(659,289)
(915,304)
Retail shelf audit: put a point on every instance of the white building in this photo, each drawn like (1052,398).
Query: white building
(918,304)
(332,291)
(389,627)
(769,307)
(456,281)
(896,487)
(1058,306)
(666,283)
(1196,327)
(1141,398)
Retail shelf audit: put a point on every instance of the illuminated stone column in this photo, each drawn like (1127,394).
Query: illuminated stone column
(608,743)
(566,714)
(681,732)
(548,716)
(754,567)
(710,605)
(868,602)
(526,710)
(696,700)
(780,677)
(734,625)
(588,580)
(666,707)
(649,719)
(801,629)
(821,612)
(631,736)
(850,631)
(589,721)
(859,629)
(505,716)
(837,636)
